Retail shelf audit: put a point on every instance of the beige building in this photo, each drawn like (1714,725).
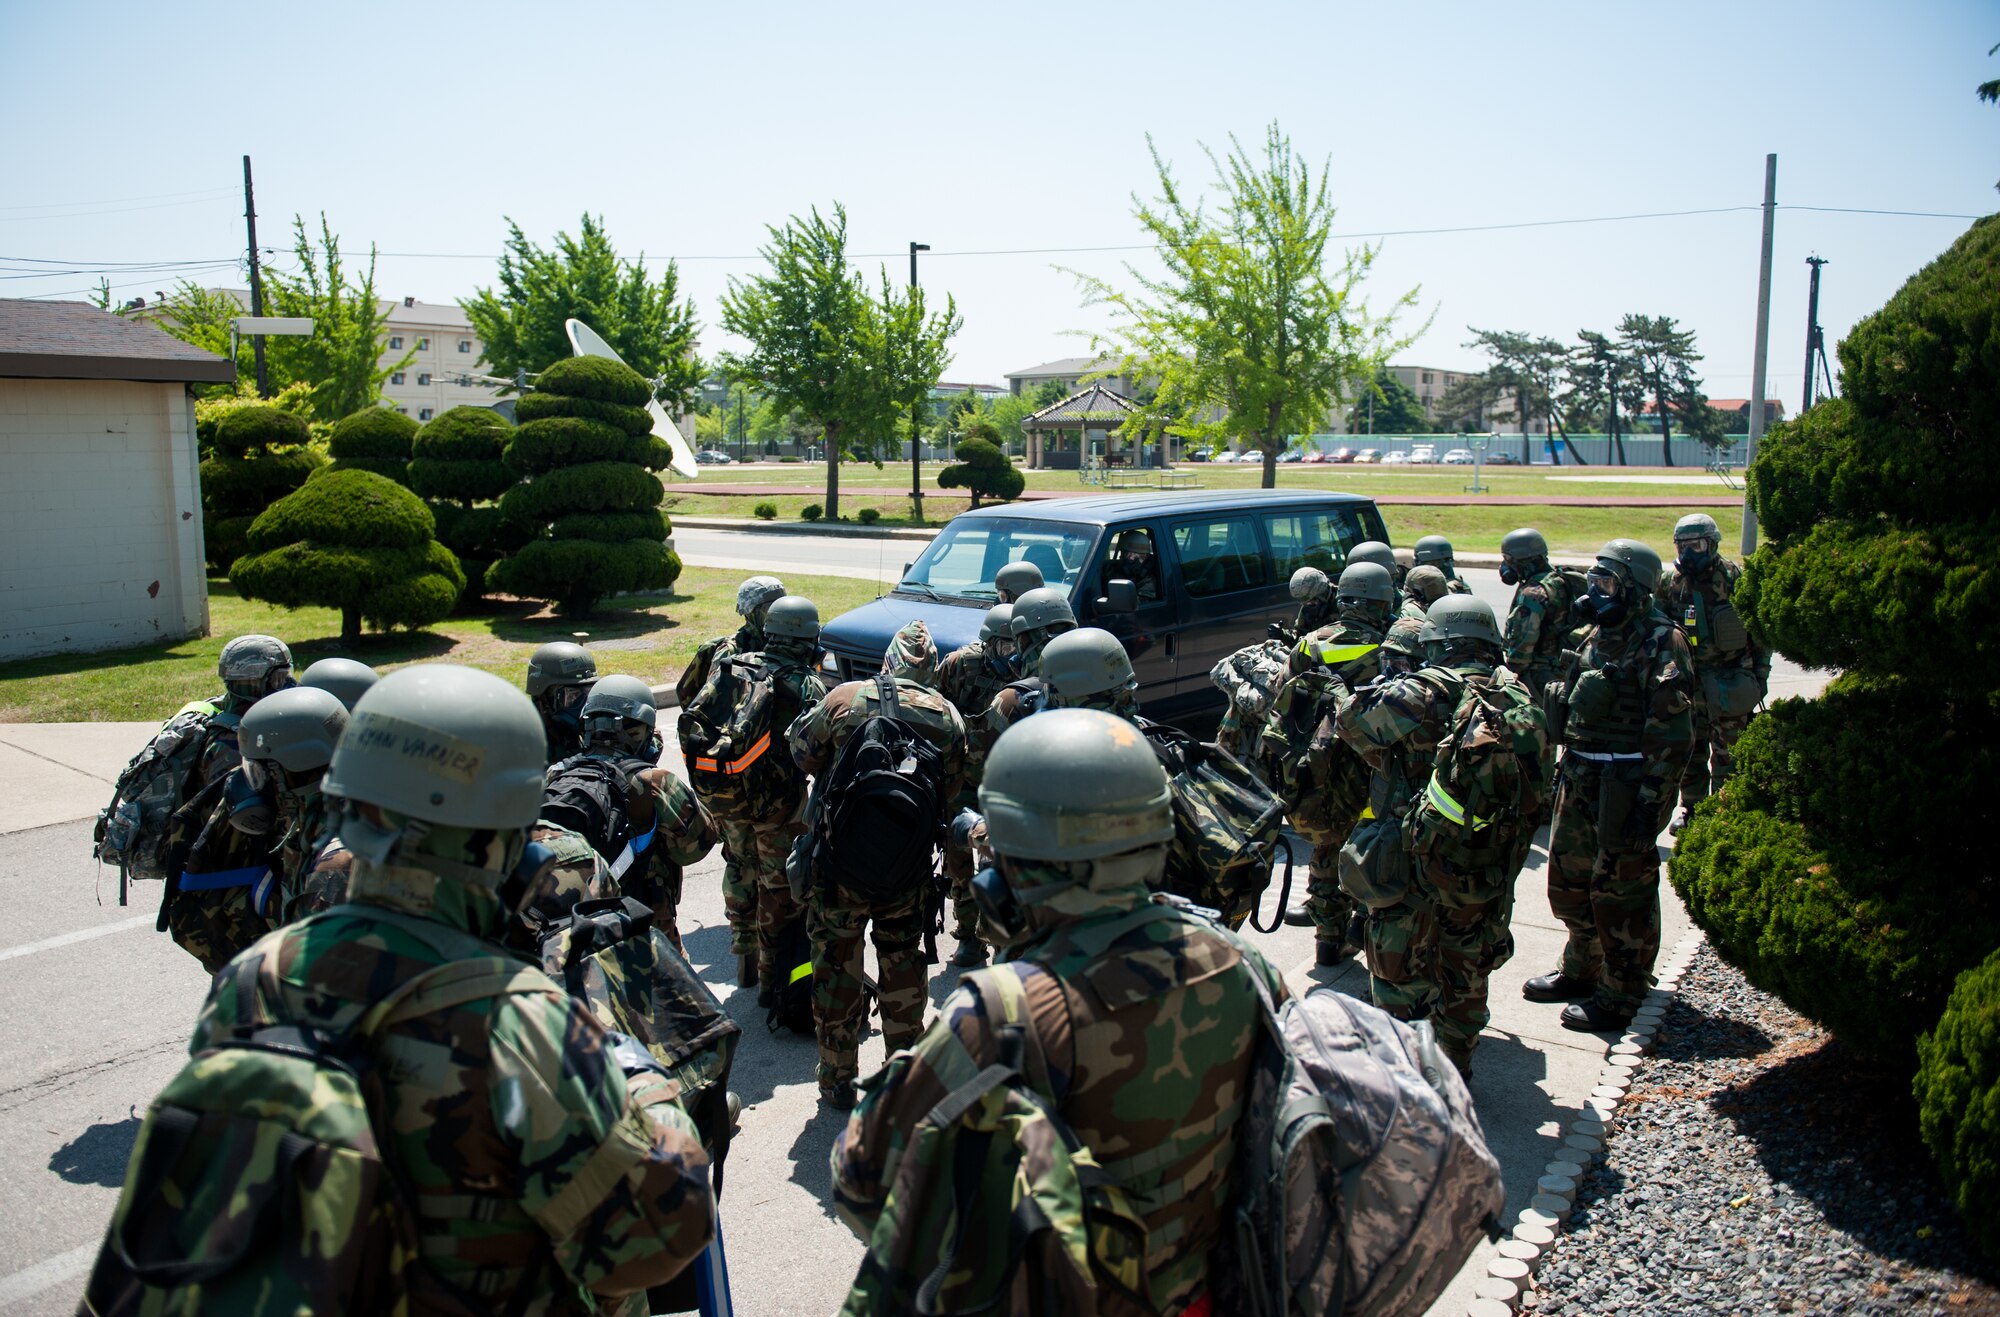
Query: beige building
(447,352)
(100,511)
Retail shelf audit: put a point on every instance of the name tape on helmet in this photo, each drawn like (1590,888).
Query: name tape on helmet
(440,752)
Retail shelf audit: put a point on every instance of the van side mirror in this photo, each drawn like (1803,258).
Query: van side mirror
(1119,597)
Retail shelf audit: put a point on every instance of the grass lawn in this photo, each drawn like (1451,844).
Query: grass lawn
(1575,531)
(650,636)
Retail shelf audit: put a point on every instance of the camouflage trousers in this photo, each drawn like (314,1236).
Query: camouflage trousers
(1472,913)
(958,870)
(1400,942)
(1604,879)
(1714,758)
(1332,909)
(837,920)
(775,905)
(740,884)
(213,925)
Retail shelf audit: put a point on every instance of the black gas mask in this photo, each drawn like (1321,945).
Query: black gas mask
(999,909)
(1696,555)
(1508,575)
(1607,601)
(249,794)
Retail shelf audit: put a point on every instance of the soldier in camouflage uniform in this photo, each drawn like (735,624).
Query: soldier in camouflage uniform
(970,677)
(1088,668)
(739,877)
(1626,706)
(1539,623)
(560,674)
(287,741)
(1436,551)
(836,918)
(1423,585)
(221,901)
(1350,649)
(1039,616)
(1143,1019)
(549,1169)
(1434,953)
(1732,671)
(791,651)
(1016,579)
(620,725)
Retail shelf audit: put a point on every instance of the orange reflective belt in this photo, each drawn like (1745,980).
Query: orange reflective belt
(750,757)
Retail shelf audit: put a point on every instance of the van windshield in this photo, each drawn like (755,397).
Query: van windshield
(962,561)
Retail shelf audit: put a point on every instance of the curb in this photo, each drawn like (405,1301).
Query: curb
(1511,1275)
(804,528)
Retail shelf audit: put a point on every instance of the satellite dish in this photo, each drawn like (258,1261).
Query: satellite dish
(586,342)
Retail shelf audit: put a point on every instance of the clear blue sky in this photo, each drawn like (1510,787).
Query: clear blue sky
(980,128)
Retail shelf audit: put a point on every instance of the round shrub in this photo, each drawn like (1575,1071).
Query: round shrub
(564,441)
(354,541)
(379,433)
(599,378)
(247,430)
(766,511)
(234,481)
(811,512)
(542,406)
(587,516)
(982,466)
(868,516)
(1958,1099)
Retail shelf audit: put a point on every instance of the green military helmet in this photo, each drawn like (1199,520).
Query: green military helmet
(1426,584)
(1524,545)
(1376,552)
(1309,583)
(1016,579)
(756,595)
(1074,784)
(253,666)
(1368,581)
(559,663)
(997,624)
(346,679)
(1460,617)
(624,697)
(445,744)
(1084,662)
(1697,526)
(1434,550)
(793,617)
(1402,639)
(1631,561)
(1040,609)
(296,729)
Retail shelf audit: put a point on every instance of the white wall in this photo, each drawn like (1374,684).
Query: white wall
(100,517)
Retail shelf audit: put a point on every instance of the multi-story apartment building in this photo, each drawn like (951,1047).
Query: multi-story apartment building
(447,357)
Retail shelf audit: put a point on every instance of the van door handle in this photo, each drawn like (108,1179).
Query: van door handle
(1171,639)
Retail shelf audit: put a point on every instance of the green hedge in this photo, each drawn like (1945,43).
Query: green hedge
(374,433)
(595,377)
(542,406)
(611,526)
(463,434)
(564,441)
(348,508)
(249,430)
(1958,1099)
(575,574)
(235,489)
(592,487)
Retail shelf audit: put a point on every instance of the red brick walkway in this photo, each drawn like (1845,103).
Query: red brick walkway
(1724,500)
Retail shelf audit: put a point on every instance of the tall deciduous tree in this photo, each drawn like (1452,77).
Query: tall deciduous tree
(1663,355)
(1605,382)
(1250,331)
(821,346)
(646,320)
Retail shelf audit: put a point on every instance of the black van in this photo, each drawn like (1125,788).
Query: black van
(1222,565)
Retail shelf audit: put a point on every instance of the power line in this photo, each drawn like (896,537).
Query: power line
(115,210)
(119,201)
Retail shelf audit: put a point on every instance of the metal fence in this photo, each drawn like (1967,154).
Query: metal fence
(1591,449)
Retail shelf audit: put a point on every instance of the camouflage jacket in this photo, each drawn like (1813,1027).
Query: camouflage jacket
(818,734)
(1346,646)
(1144,1024)
(1394,724)
(1538,624)
(747,640)
(1630,689)
(967,679)
(530,1156)
(1705,608)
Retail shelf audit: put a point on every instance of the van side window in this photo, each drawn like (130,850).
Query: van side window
(1319,538)
(1219,555)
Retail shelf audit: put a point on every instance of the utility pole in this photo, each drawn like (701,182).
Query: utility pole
(1761,349)
(256,281)
(916,442)
(739,423)
(1815,341)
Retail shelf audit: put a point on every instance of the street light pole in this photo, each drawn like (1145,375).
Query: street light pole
(916,449)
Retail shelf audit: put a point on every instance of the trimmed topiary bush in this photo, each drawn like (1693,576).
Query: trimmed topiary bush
(1848,864)
(374,439)
(868,516)
(1958,1099)
(354,541)
(765,511)
(456,464)
(811,512)
(590,507)
(258,455)
(983,466)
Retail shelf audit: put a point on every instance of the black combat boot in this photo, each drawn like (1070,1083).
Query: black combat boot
(1557,987)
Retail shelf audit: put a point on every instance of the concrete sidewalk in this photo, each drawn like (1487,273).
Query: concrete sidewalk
(56,772)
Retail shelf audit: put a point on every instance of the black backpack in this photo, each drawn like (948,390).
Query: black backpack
(794,1010)
(733,735)
(587,794)
(881,807)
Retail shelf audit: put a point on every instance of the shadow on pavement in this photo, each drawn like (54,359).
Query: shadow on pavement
(1524,1125)
(98,1155)
(810,1151)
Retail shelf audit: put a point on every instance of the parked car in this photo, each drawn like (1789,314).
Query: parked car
(713,457)
(1368,457)
(1294,456)
(1223,561)
(1458,457)
(1397,458)
(1498,458)
(1315,457)
(1196,455)
(1423,454)
(1342,455)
